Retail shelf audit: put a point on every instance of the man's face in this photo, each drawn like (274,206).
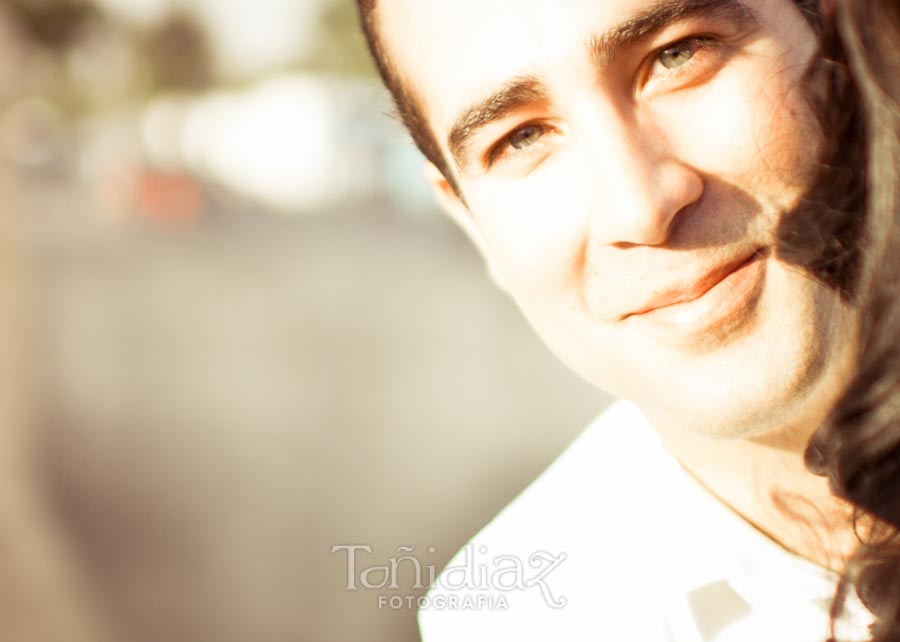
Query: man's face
(625,165)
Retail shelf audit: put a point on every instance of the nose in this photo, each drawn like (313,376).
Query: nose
(640,186)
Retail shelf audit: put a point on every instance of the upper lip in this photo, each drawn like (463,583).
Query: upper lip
(691,288)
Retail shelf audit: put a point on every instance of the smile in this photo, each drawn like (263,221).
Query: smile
(716,302)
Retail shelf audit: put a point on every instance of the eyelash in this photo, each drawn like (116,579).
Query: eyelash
(503,149)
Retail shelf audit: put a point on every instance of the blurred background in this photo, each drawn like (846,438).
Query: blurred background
(248,335)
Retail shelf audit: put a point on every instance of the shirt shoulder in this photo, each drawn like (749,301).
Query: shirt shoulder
(589,473)
(569,543)
(614,541)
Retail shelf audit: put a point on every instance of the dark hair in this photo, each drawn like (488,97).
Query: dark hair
(406,102)
(858,447)
(847,233)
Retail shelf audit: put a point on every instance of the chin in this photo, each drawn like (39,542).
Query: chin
(756,396)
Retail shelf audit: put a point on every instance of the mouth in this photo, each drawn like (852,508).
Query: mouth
(721,296)
(694,290)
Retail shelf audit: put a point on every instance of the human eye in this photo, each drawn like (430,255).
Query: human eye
(519,142)
(682,63)
(679,54)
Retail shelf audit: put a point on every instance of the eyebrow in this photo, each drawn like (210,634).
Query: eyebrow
(604,49)
(648,22)
(514,95)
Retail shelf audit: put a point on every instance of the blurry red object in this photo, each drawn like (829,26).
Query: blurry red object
(170,199)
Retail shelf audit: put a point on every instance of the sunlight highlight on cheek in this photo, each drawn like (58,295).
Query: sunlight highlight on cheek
(535,226)
(748,127)
(716,131)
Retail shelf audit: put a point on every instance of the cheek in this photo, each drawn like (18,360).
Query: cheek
(534,227)
(715,132)
(789,156)
(751,129)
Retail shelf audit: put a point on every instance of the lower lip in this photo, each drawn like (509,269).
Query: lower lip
(725,305)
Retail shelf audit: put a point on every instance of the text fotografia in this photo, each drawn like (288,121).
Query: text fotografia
(476,582)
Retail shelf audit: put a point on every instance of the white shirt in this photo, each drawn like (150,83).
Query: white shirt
(615,541)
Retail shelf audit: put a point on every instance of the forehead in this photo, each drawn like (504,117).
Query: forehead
(449,51)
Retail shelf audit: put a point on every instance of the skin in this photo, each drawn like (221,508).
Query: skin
(635,175)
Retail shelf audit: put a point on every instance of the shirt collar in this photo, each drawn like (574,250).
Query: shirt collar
(731,570)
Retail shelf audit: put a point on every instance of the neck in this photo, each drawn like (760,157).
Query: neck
(766,482)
